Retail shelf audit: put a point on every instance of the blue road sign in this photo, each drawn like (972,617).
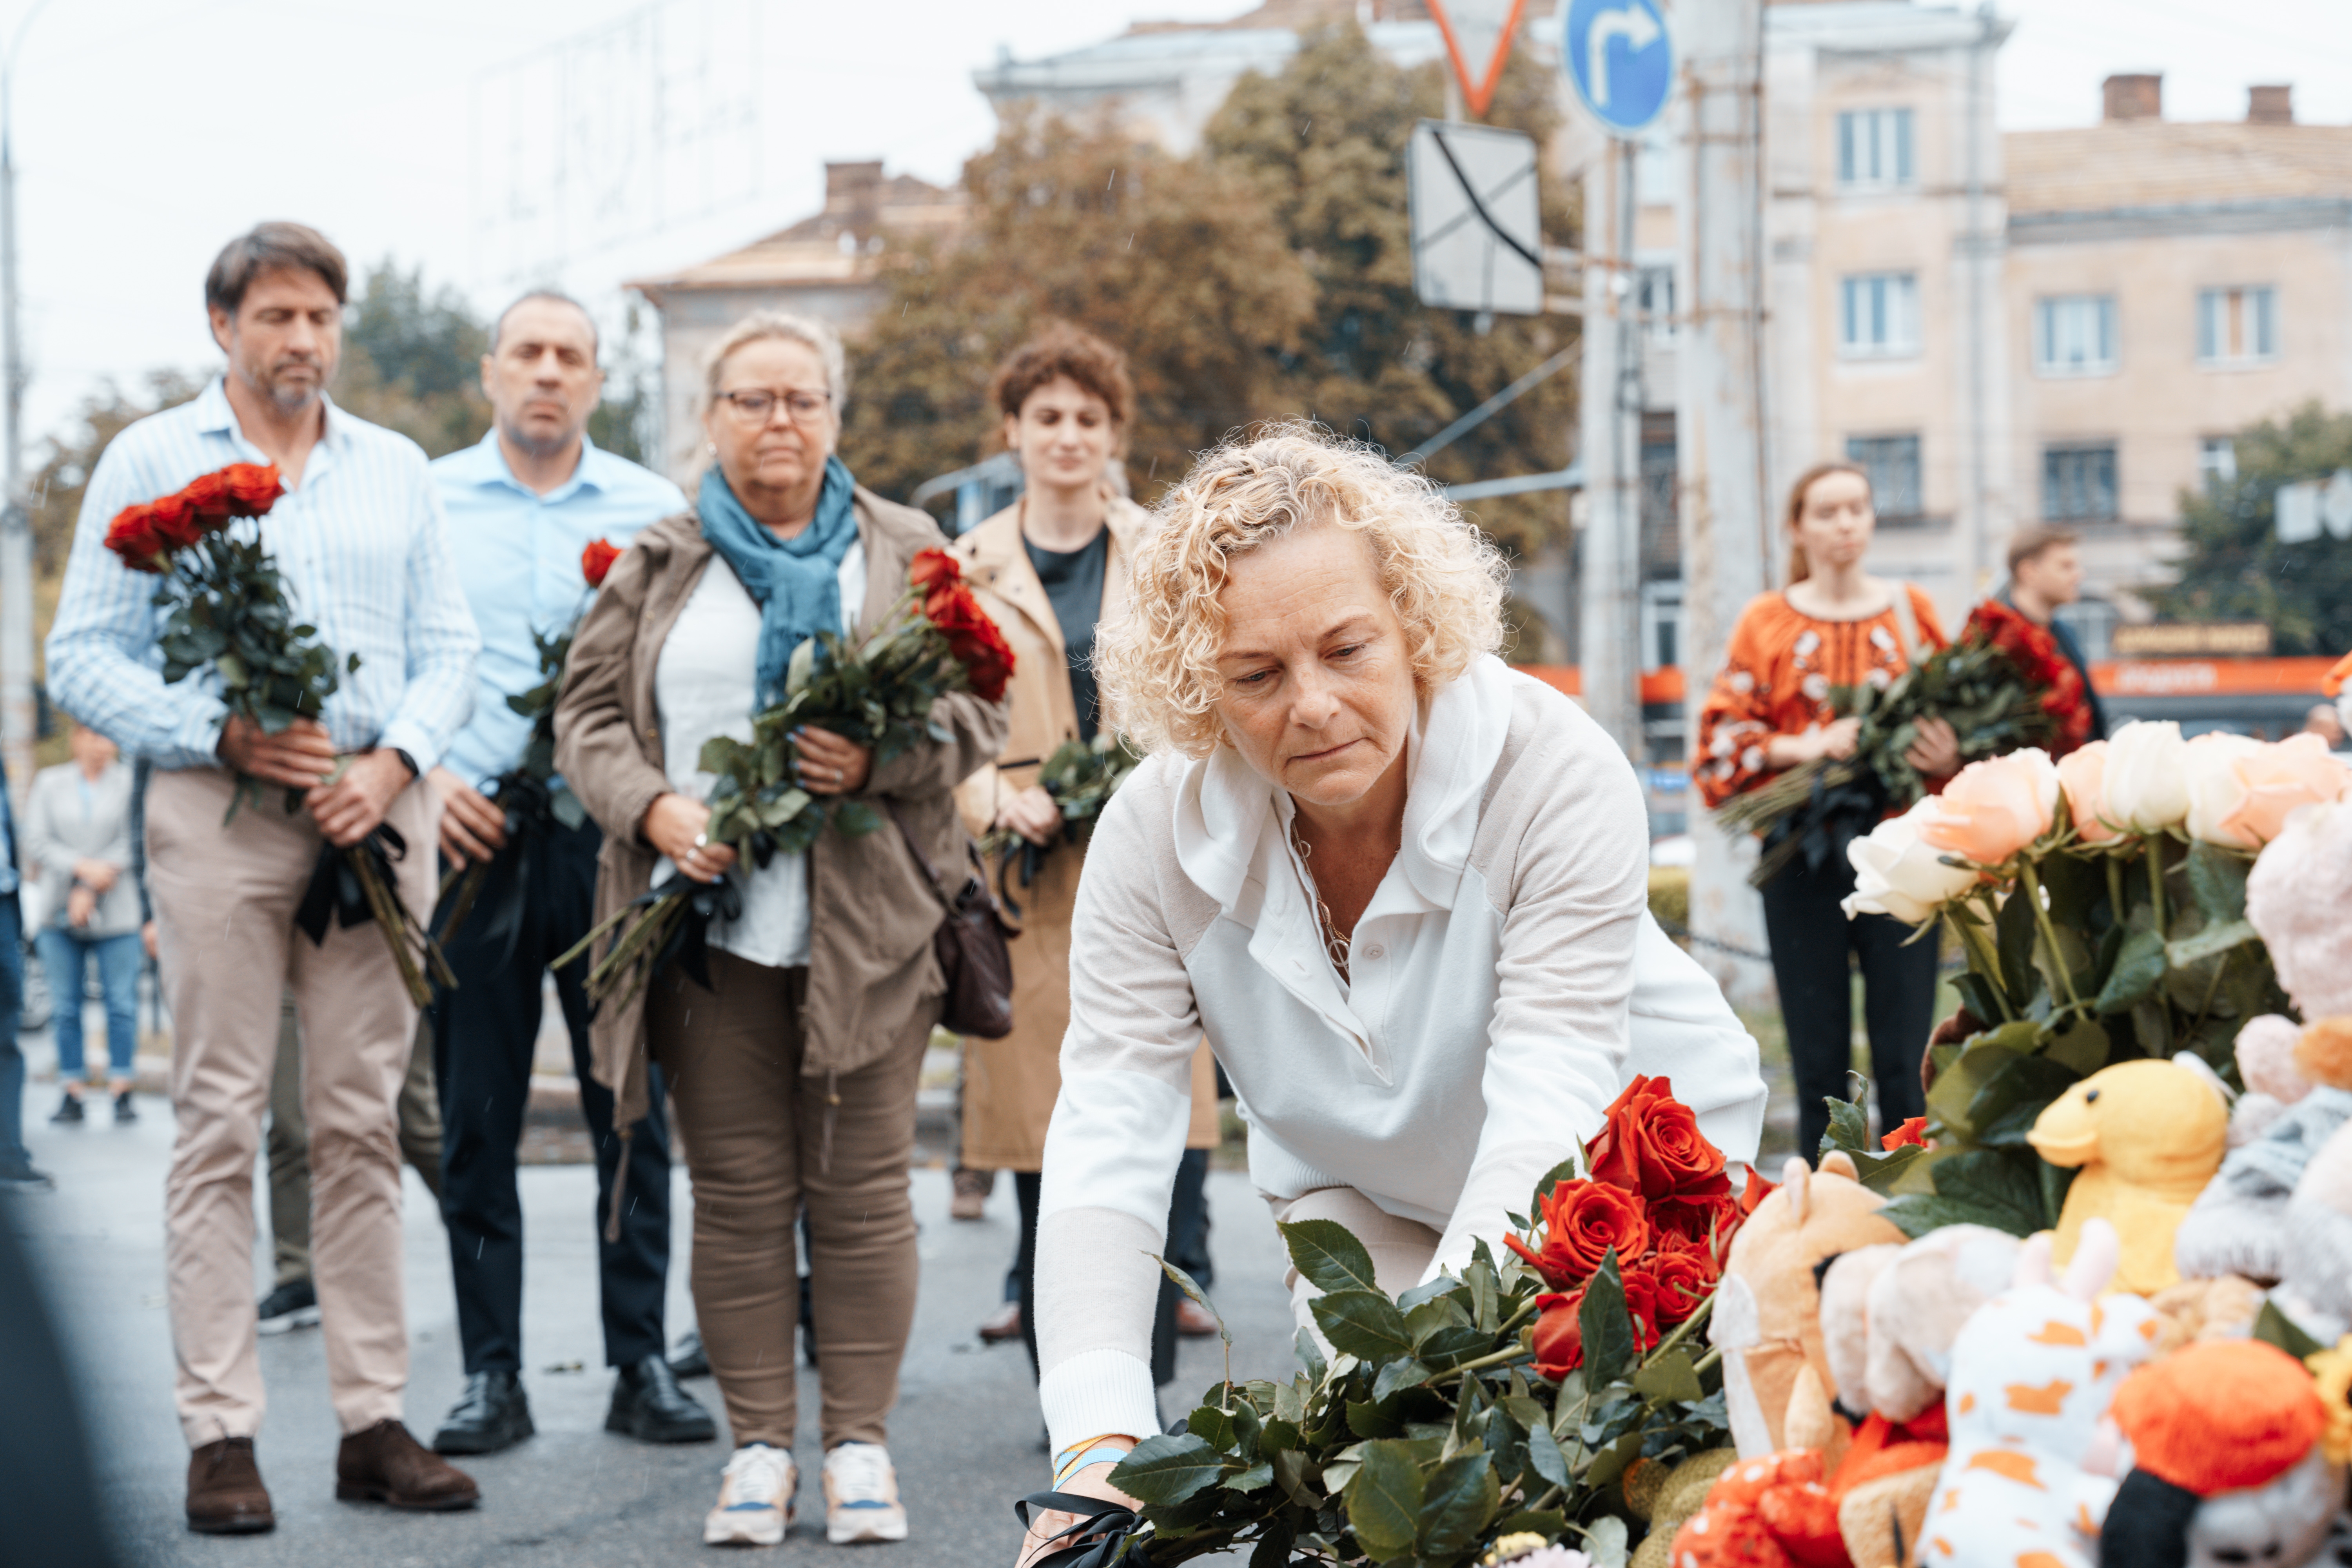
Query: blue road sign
(1618,54)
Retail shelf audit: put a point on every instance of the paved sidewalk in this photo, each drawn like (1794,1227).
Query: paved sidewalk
(966,1436)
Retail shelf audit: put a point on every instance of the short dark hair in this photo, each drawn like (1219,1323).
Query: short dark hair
(2032,543)
(285,244)
(1063,350)
(555,297)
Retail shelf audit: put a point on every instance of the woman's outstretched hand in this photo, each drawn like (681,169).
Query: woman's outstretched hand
(674,825)
(1033,813)
(1046,1523)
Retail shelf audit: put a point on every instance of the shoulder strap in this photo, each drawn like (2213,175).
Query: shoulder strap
(1906,622)
(922,861)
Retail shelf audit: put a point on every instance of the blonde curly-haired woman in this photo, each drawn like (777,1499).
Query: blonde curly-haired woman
(1400,890)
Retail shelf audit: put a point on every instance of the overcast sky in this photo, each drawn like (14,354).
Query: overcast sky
(147,131)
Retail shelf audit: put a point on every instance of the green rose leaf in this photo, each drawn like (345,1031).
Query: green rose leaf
(1329,1257)
(1606,1328)
(1384,1499)
(1364,1323)
(1669,1378)
(1543,1453)
(1461,1497)
(1166,1469)
(2139,966)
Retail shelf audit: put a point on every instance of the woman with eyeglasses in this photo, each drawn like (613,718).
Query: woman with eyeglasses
(792,1073)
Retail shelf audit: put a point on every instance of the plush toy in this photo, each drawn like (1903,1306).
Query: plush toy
(2299,899)
(2034,1370)
(1889,1315)
(2149,1135)
(2228,1466)
(2222,1308)
(2266,1053)
(1766,1313)
(2239,1223)
(1664,1496)
(2315,1284)
(1790,1509)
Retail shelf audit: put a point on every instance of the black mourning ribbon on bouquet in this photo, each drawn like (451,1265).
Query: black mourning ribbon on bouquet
(1835,817)
(336,892)
(688,942)
(1105,1533)
(494,894)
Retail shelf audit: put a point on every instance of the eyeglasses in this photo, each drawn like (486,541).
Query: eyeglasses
(756,406)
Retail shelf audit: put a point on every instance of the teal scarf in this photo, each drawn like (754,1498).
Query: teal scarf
(795,581)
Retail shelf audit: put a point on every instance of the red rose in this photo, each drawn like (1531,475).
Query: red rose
(596,560)
(1702,1220)
(972,638)
(1757,1190)
(1685,1274)
(205,498)
(1912,1132)
(1582,1221)
(176,521)
(933,570)
(1653,1146)
(253,488)
(1559,1335)
(1642,1303)
(132,536)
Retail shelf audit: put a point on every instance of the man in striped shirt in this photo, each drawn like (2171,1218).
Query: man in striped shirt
(359,537)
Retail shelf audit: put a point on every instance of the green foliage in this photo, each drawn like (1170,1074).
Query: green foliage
(2235,569)
(411,360)
(229,608)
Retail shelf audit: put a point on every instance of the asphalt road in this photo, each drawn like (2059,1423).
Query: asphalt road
(966,1436)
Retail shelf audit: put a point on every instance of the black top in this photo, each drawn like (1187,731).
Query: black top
(1074,585)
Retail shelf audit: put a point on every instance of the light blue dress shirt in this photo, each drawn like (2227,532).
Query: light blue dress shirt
(518,554)
(365,559)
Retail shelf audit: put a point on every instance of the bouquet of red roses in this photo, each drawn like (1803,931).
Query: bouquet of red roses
(228,610)
(935,639)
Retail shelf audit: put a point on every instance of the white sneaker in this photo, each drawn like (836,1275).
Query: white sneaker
(755,1498)
(861,1496)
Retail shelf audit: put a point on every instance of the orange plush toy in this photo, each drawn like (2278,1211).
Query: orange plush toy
(1782,1511)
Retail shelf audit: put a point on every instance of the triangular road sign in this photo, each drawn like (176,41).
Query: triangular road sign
(1478,35)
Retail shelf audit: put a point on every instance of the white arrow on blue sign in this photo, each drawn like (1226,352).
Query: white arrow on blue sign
(1619,55)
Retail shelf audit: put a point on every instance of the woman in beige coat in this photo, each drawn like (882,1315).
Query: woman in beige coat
(791,1073)
(1049,569)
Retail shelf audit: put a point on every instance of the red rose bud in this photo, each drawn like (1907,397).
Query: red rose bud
(1641,1304)
(1757,1190)
(1583,1220)
(1559,1335)
(1684,1275)
(596,560)
(253,488)
(1914,1131)
(132,536)
(933,570)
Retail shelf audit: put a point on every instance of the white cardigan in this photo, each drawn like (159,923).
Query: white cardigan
(1507,983)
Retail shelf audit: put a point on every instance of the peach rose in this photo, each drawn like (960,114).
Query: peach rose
(2082,775)
(2242,794)
(1994,808)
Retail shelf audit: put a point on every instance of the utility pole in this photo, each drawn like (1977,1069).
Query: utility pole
(17,713)
(1609,622)
(1726,509)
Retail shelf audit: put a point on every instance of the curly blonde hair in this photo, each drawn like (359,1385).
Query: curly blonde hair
(1156,663)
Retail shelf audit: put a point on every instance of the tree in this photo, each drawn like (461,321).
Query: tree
(411,360)
(2235,569)
(1176,261)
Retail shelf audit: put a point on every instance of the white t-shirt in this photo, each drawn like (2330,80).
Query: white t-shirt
(707,685)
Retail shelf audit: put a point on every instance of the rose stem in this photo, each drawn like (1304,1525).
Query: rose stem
(2030,886)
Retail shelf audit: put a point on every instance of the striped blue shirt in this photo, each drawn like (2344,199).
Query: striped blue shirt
(518,554)
(366,561)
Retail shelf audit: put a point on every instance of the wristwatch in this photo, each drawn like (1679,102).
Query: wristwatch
(407,762)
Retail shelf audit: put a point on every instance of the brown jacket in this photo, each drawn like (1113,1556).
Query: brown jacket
(872,977)
(1010,1085)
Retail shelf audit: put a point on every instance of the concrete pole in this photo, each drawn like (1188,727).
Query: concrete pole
(1725,513)
(1608,618)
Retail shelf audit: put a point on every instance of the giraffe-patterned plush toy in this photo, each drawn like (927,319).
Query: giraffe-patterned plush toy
(2026,1484)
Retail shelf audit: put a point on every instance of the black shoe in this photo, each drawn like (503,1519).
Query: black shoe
(689,1359)
(650,1405)
(124,1112)
(293,1305)
(23,1178)
(491,1415)
(69,1111)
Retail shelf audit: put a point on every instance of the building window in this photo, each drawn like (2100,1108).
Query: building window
(2078,482)
(1878,315)
(2217,461)
(2074,334)
(1873,148)
(1893,464)
(1653,297)
(2236,326)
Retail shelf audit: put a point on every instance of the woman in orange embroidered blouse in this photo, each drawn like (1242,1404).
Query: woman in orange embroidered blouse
(1778,702)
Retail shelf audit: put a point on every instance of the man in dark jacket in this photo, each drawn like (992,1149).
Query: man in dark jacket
(2045,570)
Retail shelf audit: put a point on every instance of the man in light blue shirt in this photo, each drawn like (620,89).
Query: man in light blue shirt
(522,506)
(358,536)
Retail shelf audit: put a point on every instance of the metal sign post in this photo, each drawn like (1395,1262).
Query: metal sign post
(1477,35)
(1477,244)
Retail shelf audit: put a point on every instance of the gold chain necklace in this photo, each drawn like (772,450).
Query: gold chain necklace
(1335,946)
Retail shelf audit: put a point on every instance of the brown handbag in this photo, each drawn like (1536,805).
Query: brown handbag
(969,945)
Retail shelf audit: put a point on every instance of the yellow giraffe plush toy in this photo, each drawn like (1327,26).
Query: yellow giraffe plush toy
(2149,1135)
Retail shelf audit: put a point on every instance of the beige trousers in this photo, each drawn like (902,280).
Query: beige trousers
(224,898)
(760,1151)
(1401,1249)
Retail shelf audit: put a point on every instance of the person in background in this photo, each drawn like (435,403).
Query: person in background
(360,541)
(17,1170)
(2045,572)
(793,1065)
(1833,627)
(522,505)
(78,835)
(1048,569)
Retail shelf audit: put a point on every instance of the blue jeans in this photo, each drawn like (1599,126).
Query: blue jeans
(12,1060)
(65,958)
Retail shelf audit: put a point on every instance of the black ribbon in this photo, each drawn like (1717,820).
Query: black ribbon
(1831,820)
(495,915)
(688,945)
(335,893)
(1105,1533)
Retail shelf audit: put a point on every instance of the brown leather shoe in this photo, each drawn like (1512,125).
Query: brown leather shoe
(1005,1323)
(385,1464)
(971,1189)
(1194,1320)
(226,1496)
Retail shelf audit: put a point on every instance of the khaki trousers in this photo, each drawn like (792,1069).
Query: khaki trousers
(290,1141)
(224,898)
(1401,1249)
(760,1150)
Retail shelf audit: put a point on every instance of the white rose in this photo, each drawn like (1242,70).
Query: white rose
(2147,785)
(2215,790)
(1896,872)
